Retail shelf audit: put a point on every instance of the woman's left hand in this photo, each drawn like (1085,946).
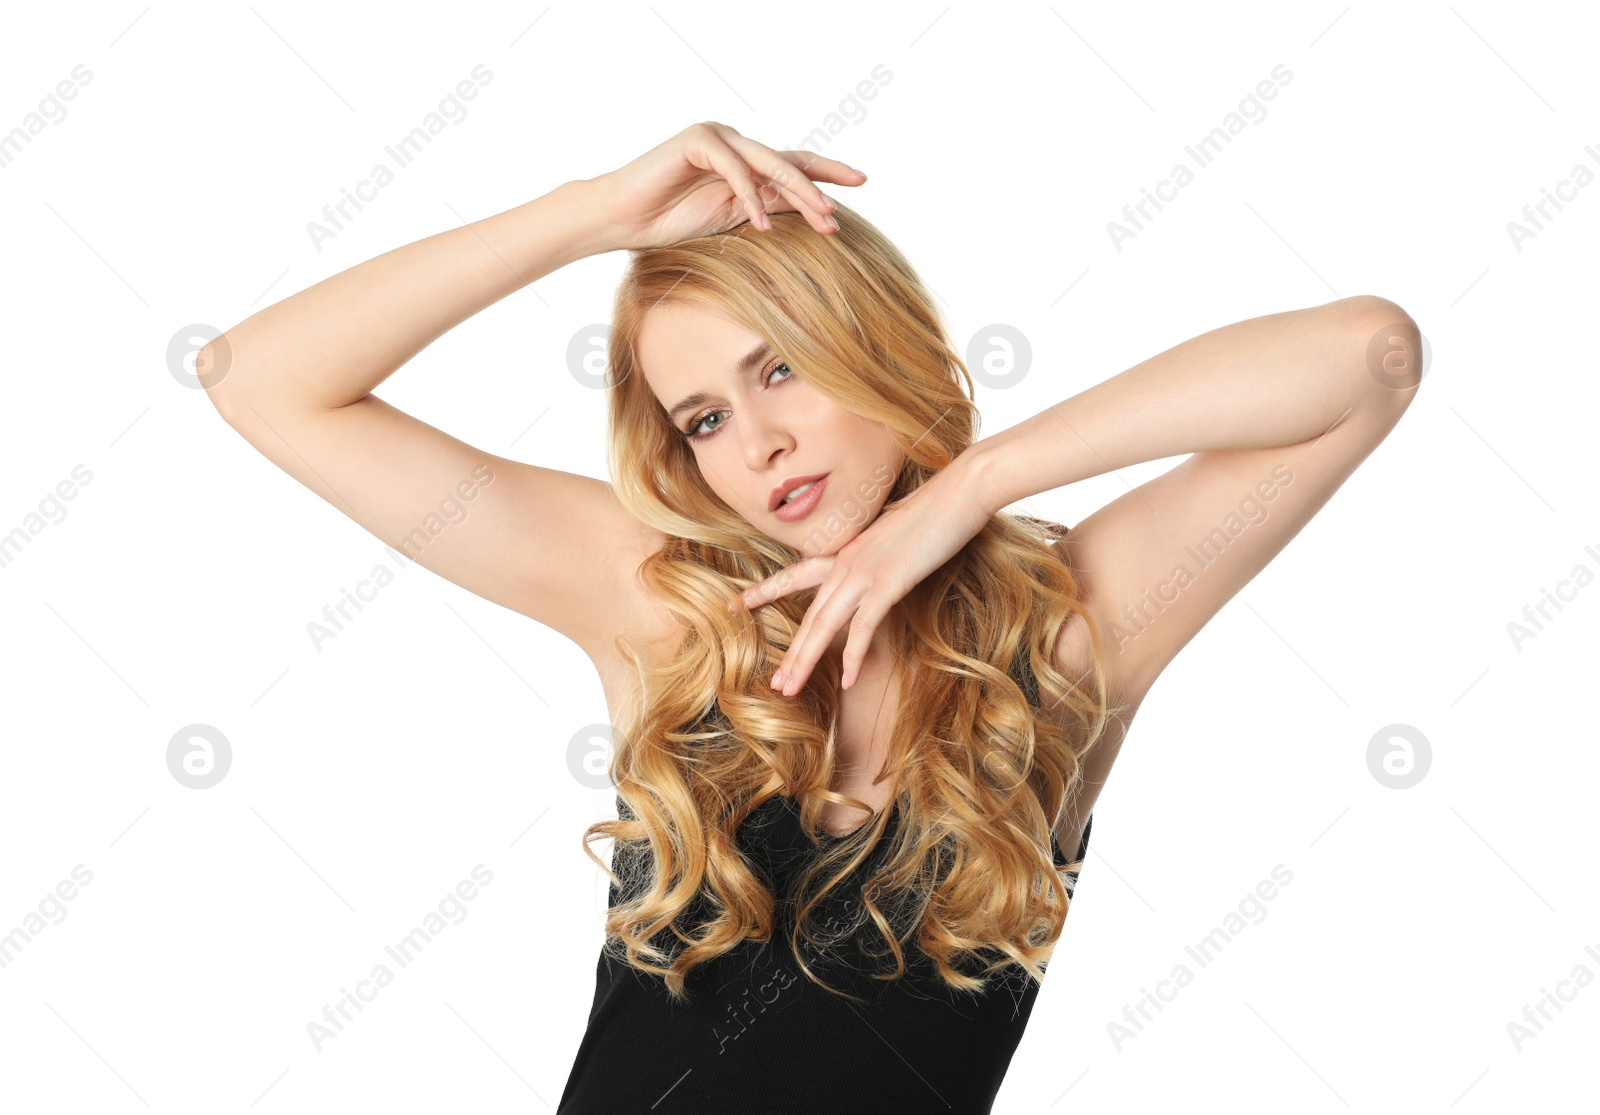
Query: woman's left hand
(873,571)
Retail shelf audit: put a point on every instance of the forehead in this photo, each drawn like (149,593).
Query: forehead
(683,345)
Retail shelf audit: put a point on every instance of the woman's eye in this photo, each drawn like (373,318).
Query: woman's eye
(698,425)
(697,432)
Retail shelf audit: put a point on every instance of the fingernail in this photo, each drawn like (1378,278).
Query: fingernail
(833,224)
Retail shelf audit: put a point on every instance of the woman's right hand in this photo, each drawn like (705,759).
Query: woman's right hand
(708,179)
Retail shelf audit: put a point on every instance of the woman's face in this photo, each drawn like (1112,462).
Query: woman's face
(754,425)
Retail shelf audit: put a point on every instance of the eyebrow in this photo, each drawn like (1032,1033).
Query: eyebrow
(746,362)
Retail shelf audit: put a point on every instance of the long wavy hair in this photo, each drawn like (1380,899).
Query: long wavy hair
(980,775)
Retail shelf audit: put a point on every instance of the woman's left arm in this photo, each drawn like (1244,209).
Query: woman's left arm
(1277,411)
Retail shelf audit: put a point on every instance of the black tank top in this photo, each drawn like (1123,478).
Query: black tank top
(758,1036)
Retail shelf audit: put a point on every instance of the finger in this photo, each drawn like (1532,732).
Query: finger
(790,174)
(727,162)
(802,575)
(862,630)
(782,200)
(810,163)
(818,166)
(786,664)
(816,633)
(777,198)
(824,222)
(786,176)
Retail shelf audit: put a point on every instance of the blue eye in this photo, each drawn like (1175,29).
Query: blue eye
(695,424)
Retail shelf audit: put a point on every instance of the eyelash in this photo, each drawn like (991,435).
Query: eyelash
(688,435)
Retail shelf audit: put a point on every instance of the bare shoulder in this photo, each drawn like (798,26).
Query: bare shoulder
(1074,657)
(629,613)
(1074,650)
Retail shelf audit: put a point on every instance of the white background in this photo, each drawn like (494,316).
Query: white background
(370,776)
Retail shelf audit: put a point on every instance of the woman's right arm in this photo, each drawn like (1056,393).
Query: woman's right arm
(295,380)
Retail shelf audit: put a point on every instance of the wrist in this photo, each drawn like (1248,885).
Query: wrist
(982,471)
(581,215)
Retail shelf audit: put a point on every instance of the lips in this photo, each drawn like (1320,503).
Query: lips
(788,486)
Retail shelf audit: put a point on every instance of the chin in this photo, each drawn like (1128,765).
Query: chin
(818,542)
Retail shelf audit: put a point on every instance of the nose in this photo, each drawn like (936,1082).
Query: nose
(762,440)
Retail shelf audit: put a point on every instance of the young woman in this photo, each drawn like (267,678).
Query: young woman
(860,710)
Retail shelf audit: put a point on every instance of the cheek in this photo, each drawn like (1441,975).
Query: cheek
(713,474)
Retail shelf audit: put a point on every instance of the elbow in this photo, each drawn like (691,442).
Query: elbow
(211,366)
(1391,345)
